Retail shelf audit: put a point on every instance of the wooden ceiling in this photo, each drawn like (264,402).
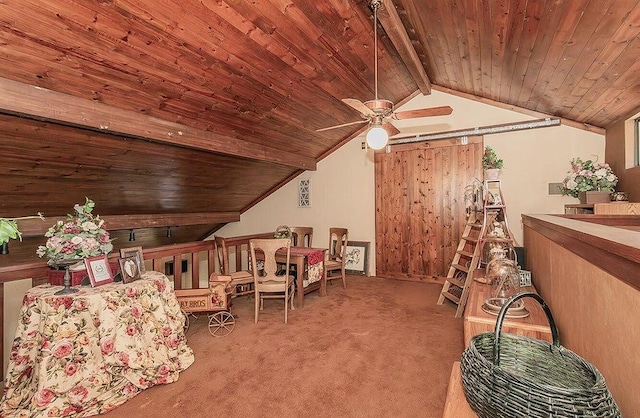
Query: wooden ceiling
(198,109)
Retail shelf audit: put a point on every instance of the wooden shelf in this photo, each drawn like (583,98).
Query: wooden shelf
(578,209)
(477,321)
(612,208)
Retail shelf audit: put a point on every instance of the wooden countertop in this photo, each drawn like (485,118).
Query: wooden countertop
(612,248)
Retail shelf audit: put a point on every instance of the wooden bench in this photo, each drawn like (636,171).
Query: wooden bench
(456,405)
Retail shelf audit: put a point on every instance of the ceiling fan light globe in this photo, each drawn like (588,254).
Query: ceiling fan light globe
(377,138)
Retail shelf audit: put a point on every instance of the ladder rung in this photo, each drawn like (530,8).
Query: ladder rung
(475,225)
(470,239)
(453,298)
(461,268)
(457,282)
(495,206)
(465,253)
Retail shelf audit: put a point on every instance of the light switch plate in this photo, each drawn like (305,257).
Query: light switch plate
(555,188)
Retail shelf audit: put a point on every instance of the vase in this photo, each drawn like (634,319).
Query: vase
(619,196)
(4,249)
(491,173)
(594,196)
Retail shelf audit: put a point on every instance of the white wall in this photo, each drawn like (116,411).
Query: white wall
(342,195)
(343,186)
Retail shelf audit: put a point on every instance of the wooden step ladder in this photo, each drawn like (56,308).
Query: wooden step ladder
(468,256)
(465,261)
(494,213)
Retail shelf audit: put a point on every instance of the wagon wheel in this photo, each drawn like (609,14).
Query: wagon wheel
(221,324)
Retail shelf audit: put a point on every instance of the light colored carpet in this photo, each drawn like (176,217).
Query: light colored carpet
(380,348)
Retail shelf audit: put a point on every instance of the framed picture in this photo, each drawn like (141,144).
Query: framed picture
(129,269)
(134,252)
(98,270)
(357,259)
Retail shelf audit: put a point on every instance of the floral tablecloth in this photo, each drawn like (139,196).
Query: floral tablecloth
(86,353)
(315,263)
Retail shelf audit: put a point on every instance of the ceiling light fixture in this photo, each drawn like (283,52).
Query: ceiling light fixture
(169,232)
(377,136)
(132,235)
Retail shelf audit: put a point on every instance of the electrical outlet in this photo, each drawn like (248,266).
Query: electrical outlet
(555,188)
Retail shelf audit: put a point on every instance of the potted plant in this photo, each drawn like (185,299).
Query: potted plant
(9,230)
(589,176)
(491,163)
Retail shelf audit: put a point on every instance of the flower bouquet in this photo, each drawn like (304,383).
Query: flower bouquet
(588,175)
(82,235)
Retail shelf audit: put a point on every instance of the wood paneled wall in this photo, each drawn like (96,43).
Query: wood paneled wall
(617,149)
(420,210)
(596,312)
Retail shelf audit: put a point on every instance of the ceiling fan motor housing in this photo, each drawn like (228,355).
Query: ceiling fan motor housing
(380,107)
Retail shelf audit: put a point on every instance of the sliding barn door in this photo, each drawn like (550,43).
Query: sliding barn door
(420,208)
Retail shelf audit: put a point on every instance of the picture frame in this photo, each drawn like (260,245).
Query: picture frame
(129,269)
(134,252)
(357,258)
(98,270)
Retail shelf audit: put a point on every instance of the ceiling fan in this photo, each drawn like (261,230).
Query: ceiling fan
(377,112)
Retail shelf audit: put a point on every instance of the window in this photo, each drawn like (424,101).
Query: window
(636,142)
(304,193)
(631,141)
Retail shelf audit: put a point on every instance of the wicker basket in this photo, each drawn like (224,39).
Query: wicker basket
(514,376)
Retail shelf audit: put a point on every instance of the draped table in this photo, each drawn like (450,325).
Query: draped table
(309,264)
(86,353)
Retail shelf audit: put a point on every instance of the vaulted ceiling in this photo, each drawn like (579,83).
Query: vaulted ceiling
(198,109)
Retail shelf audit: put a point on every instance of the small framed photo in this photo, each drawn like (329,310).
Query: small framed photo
(357,258)
(134,252)
(129,269)
(99,270)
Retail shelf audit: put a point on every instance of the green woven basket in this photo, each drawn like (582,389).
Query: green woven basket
(514,376)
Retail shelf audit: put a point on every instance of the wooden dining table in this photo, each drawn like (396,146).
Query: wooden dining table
(309,261)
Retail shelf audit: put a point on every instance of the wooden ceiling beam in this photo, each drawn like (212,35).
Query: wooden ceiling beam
(37,227)
(38,103)
(390,21)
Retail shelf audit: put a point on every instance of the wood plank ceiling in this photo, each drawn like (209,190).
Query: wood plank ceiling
(199,107)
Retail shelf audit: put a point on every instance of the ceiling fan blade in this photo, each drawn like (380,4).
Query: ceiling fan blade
(341,126)
(391,130)
(421,113)
(359,106)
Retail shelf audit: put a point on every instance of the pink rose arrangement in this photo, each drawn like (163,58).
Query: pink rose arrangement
(588,175)
(82,235)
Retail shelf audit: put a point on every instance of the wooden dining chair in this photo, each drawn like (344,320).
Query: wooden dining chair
(336,256)
(242,277)
(271,282)
(301,236)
